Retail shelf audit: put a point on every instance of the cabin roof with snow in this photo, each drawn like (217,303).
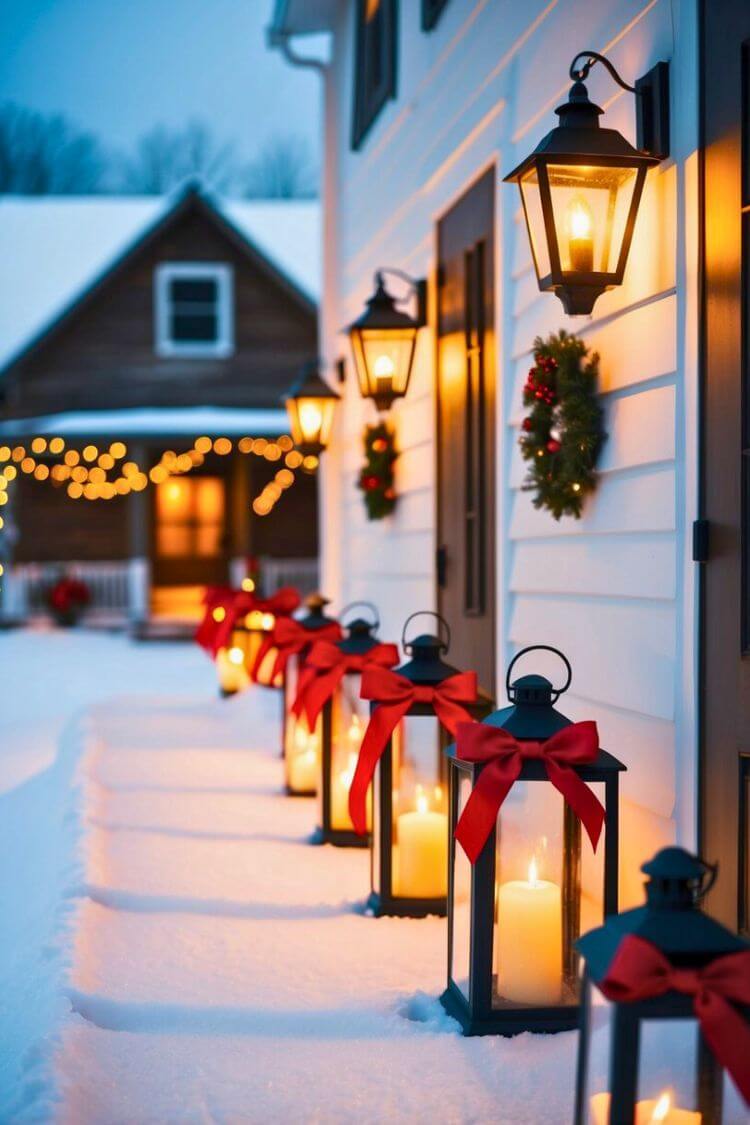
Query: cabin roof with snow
(79,296)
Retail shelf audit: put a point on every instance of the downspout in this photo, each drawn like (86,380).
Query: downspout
(329,487)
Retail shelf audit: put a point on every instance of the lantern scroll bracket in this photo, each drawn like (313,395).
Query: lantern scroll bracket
(651,100)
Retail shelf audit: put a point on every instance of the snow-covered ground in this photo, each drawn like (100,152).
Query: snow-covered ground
(174,950)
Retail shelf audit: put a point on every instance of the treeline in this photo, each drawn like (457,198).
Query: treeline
(47,154)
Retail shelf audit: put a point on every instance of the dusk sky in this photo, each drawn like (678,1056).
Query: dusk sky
(118,67)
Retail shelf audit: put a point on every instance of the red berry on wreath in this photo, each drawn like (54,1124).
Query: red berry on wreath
(553,446)
(527,424)
(390,494)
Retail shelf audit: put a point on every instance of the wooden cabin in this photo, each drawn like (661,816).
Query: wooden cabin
(140,327)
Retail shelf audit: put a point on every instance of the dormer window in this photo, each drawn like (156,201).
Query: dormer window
(194,303)
(375,63)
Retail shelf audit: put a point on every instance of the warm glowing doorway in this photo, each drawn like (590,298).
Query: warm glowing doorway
(189,549)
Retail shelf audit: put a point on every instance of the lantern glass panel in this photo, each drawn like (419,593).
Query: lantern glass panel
(387,358)
(311,420)
(590,205)
(349,721)
(548,890)
(301,746)
(419,842)
(232,663)
(532,205)
(461,902)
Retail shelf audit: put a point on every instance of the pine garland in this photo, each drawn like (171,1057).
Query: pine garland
(376,478)
(563,434)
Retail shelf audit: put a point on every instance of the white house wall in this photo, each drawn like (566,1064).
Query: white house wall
(614,590)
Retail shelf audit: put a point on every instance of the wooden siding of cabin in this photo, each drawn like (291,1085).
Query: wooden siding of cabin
(614,590)
(103,357)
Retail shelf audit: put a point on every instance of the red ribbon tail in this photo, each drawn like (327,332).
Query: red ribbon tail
(480,813)
(581,799)
(320,691)
(380,728)
(728,1036)
(263,650)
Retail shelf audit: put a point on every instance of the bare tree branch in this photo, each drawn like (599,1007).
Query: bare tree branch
(42,154)
(166,158)
(283,169)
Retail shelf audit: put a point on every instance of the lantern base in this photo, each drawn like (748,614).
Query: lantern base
(509,1021)
(579,300)
(227,693)
(339,837)
(289,792)
(396,907)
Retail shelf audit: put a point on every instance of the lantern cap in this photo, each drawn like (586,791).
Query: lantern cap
(426,665)
(671,918)
(381,312)
(310,384)
(315,618)
(579,139)
(360,637)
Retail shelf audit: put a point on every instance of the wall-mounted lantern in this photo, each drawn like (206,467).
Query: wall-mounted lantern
(665,1029)
(582,184)
(524,877)
(383,341)
(310,404)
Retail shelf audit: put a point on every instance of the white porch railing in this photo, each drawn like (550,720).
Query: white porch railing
(302,573)
(27,586)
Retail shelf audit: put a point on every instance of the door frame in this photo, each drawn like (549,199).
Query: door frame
(490,164)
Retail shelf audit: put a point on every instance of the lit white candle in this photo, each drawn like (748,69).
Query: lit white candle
(420,862)
(302,763)
(653,1111)
(230,666)
(341,780)
(528,943)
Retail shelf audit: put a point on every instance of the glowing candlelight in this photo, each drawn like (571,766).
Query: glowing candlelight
(420,859)
(528,940)
(580,239)
(652,1111)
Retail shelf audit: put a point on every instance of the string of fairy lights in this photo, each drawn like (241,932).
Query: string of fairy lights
(91,473)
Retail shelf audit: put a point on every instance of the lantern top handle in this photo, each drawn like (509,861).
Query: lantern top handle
(444,644)
(556,692)
(581,73)
(367,605)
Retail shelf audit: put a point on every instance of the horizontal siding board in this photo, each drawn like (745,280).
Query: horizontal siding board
(640,431)
(623,503)
(624,652)
(404,554)
(631,566)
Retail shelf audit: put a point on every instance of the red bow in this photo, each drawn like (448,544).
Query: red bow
(290,637)
(213,635)
(640,971)
(324,670)
(395,695)
(575,745)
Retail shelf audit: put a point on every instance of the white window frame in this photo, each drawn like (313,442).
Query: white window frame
(223,275)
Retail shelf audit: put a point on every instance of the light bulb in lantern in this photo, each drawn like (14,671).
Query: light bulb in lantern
(580,236)
(310,420)
(383,369)
(219,614)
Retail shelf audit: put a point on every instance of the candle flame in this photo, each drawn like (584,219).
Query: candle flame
(438,794)
(422,805)
(661,1109)
(347,776)
(533,873)
(236,655)
(579,219)
(354,733)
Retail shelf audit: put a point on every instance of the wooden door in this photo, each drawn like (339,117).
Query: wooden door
(466,428)
(725,617)
(189,531)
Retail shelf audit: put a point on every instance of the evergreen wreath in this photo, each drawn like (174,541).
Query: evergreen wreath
(563,434)
(376,478)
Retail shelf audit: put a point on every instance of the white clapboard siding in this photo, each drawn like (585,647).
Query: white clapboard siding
(478,91)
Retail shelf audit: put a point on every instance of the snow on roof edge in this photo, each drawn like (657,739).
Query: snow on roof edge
(145,421)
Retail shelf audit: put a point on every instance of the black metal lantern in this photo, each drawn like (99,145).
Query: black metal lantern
(646,1059)
(344,720)
(301,746)
(233,659)
(581,187)
(515,913)
(310,404)
(409,851)
(383,342)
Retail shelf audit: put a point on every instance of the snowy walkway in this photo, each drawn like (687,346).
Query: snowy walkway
(217,969)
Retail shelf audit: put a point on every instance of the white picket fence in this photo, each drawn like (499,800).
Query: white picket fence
(302,573)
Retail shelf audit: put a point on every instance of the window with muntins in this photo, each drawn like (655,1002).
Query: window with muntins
(431,13)
(194,307)
(375,63)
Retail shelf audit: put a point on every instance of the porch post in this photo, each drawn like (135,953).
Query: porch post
(140,546)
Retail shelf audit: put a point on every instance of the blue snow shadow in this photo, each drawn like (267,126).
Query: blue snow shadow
(133,903)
